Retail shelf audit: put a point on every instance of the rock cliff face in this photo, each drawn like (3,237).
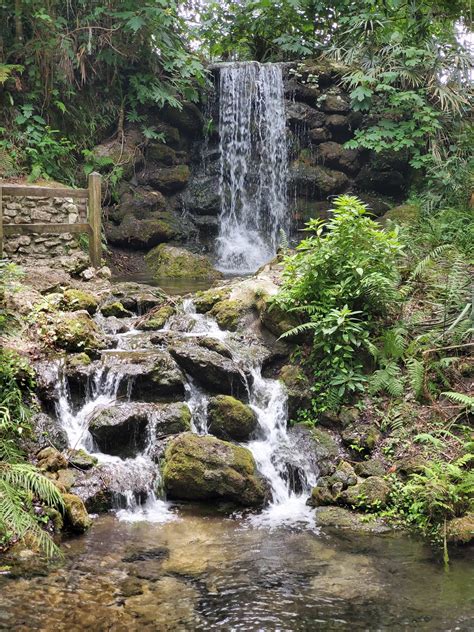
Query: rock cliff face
(171,190)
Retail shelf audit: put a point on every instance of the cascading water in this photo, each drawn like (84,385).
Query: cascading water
(253,165)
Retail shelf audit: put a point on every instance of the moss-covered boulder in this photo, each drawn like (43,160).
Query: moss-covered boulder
(206,468)
(372,467)
(214,345)
(228,313)
(345,519)
(51,460)
(78,360)
(403,214)
(76,514)
(80,460)
(116,309)
(371,493)
(461,530)
(205,300)
(230,419)
(157,319)
(165,179)
(297,387)
(72,331)
(362,438)
(274,318)
(74,300)
(170,262)
(144,232)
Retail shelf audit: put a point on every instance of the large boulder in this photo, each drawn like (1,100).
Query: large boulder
(156,228)
(170,262)
(371,493)
(165,179)
(75,300)
(188,118)
(146,375)
(123,150)
(123,429)
(230,419)
(338,157)
(301,114)
(202,196)
(71,331)
(205,468)
(139,202)
(315,181)
(211,369)
(334,101)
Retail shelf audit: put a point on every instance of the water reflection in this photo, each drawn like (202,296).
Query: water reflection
(208,572)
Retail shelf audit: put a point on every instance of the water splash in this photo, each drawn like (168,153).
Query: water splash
(253,165)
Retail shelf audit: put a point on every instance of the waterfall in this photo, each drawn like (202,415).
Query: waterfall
(253,165)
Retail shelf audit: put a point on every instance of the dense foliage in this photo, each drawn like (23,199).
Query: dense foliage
(22,486)
(70,73)
(341,279)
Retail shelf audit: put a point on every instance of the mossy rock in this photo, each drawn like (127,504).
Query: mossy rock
(403,214)
(205,300)
(158,319)
(230,419)
(81,460)
(297,387)
(51,460)
(362,439)
(66,478)
(371,493)
(372,467)
(74,331)
(74,300)
(214,345)
(115,309)
(341,518)
(78,360)
(228,313)
(274,318)
(143,233)
(206,468)
(76,514)
(166,261)
(326,445)
(461,530)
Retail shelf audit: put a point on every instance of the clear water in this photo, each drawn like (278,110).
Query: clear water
(206,572)
(253,165)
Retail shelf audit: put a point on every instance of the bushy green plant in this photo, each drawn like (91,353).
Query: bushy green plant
(342,278)
(21,484)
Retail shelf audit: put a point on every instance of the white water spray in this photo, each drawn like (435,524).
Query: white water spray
(253,165)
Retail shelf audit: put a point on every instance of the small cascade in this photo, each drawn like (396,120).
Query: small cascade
(272,448)
(253,165)
(133,481)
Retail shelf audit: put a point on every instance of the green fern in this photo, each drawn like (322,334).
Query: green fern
(388,379)
(429,259)
(416,376)
(463,400)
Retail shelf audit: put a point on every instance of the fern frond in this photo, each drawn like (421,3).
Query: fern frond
(299,329)
(416,376)
(466,401)
(432,256)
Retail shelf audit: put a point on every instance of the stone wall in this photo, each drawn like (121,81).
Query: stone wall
(45,248)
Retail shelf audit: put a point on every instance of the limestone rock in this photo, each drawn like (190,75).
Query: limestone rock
(206,468)
(337,157)
(210,368)
(51,460)
(166,179)
(461,530)
(157,319)
(170,262)
(230,419)
(76,514)
(116,309)
(346,519)
(149,375)
(371,493)
(74,300)
(74,331)
(316,182)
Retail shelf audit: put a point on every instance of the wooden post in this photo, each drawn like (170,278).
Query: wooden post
(95,219)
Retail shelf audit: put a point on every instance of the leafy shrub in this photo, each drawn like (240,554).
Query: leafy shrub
(342,278)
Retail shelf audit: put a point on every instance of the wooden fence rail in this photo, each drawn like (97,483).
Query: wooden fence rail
(93,226)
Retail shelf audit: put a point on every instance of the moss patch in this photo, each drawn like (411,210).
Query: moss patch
(170,262)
